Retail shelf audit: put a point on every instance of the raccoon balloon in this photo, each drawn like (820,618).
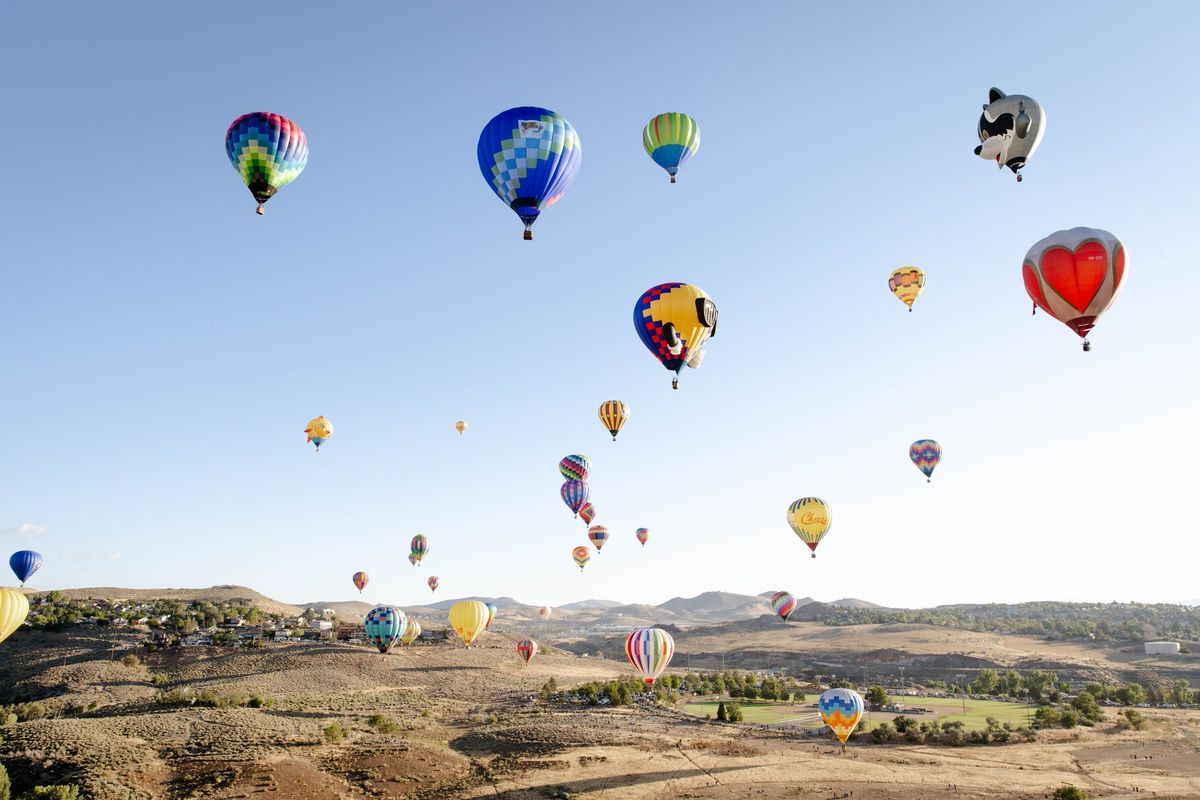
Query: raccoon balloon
(1010,130)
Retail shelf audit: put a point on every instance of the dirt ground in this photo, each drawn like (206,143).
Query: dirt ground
(465,727)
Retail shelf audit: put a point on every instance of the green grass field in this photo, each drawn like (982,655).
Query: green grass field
(948,709)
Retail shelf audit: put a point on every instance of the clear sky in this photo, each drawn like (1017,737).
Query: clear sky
(163,346)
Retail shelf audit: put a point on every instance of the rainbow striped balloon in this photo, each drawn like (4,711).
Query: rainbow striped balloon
(783,603)
(384,627)
(268,150)
(671,139)
(599,535)
(643,535)
(650,651)
(842,710)
(418,547)
(491,609)
(574,494)
(575,467)
(926,453)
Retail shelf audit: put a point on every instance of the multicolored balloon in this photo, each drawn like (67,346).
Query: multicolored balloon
(461,426)
(598,535)
(575,467)
(906,283)
(643,535)
(925,453)
(1074,276)
(412,632)
(574,494)
(24,563)
(469,618)
(784,604)
(14,608)
(810,519)
(674,320)
(318,431)
(418,547)
(360,581)
(529,156)
(842,710)
(581,555)
(587,513)
(491,609)
(671,139)
(544,612)
(384,626)
(269,151)
(1010,129)
(432,583)
(527,649)
(613,414)
(650,651)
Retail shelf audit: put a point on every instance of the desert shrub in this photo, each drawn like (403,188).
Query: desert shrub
(1047,717)
(883,732)
(334,732)
(131,661)
(159,678)
(903,723)
(382,723)
(5,785)
(1068,718)
(173,697)
(258,701)
(7,718)
(66,791)
(734,712)
(1133,719)
(1069,792)
(29,711)
(424,712)
(92,706)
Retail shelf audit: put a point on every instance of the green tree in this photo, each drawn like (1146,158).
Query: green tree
(883,732)
(986,682)
(67,791)
(903,723)
(722,714)
(734,712)
(1069,792)
(1087,707)
(877,697)
(5,785)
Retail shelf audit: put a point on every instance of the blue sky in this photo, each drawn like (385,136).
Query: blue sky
(163,346)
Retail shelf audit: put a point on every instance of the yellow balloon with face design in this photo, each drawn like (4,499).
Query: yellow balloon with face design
(468,618)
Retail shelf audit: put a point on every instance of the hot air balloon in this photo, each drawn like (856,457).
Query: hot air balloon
(360,581)
(433,583)
(14,608)
(491,609)
(575,467)
(527,649)
(674,320)
(613,414)
(418,547)
(842,709)
(468,618)
(650,651)
(574,494)
(529,156)
(318,431)
(1074,276)
(581,555)
(384,626)
(461,427)
(599,535)
(906,283)
(544,612)
(810,518)
(1010,129)
(24,563)
(784,604)
(587,513)
(269,152)
(671,139)
(411,632)
(925,453)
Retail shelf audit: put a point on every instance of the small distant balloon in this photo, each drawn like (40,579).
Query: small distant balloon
(433,583)
(906,283)
(643,535)
(613,414)
(412,632)
(671,139)
(587,513)
(575,467)
(491,609)
(318,431)
(582,556)
(360,581)
(418,547)
(649,650)
(24,563)
(598,535)
(544,612)
(412,559)
(674,321)
(783,604)
(461,427)
(925,454)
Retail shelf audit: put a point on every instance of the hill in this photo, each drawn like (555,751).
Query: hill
(240,595)
(590,605)
(716,606)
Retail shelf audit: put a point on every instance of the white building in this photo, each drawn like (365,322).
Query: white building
(1162,648)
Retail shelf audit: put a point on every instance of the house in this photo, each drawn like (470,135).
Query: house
(320,625)
(250,634)
(282,636)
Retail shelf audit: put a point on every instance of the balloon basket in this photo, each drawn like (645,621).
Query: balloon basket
(259,211)
(672,179)
(528,235)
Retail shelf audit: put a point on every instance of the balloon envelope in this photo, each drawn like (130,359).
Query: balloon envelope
(468,618)
(384,626)
(529,156)
(433,583)
(650,651)
(575,467)
(673,320)
(14,608)
(587,513)
(613,415)
(906,283)
(268,150)
(925,454)
(598,535)
(460,426)
(544,612)
(574,494)
(527,649)
(810,519)
(1075,275)
(491,609)
(411,632)
(783,603)
(581,555)
(842,709)
(418,547)
(643,535)
(318,431)
(24,563)
(671,139)
(360,580)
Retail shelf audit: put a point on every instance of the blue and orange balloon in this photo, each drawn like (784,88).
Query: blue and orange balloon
(529,156)
(925,453)
(574,494)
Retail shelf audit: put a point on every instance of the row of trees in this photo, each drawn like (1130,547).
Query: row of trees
(951,733)
(54,610)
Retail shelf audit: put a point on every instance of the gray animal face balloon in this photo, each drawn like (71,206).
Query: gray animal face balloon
(1010,129)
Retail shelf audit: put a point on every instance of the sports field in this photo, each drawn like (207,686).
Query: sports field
(946,709)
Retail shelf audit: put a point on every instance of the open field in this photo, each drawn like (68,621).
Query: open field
(944,708)
(463,725)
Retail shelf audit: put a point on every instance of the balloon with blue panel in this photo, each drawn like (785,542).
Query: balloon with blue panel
(268,150)
(671,139)
(925,454)
(529,156)
(842,710)
(24,563)
(385,626)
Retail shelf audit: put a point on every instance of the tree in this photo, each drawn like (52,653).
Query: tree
(734,712)
(68,791)
(722,714)
(1086,705)
(1069,792)
(883,732)
(903,723)
(877,697)
(5,786)
(986,682)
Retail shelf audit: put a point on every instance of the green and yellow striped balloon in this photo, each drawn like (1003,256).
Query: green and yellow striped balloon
(671,139)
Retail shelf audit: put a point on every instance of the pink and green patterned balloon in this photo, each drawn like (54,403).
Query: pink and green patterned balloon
(268,150)
(575,467)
